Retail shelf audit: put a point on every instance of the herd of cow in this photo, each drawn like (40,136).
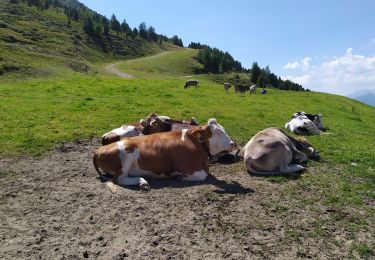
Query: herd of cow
(160,147)
(238,88)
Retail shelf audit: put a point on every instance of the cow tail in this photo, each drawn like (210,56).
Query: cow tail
(95,161)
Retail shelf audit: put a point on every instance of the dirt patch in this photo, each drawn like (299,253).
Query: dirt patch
(112,69)
(55,207)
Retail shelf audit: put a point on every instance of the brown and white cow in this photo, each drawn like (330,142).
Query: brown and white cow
(272,151)
(191,82)
(184,152)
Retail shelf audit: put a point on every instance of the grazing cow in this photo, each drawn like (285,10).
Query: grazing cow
(253,89)
(191,82)
(227,86)
(272,151)
(184,152)
(241,88)
(305,124)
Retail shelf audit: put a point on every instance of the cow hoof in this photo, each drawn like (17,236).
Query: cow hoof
(144,186)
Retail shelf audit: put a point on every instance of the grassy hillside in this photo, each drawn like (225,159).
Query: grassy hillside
(40,43)
(165,64)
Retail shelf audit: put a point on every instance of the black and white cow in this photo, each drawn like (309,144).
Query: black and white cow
(303,123)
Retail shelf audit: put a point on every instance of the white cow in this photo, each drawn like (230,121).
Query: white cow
(272,151)
(253,89)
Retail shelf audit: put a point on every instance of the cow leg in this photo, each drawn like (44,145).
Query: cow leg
(196,176)
(127,160)
(125,180)
(291,168)
(299,156)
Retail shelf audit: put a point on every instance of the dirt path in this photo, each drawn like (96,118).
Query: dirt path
(112,69)
(55,207)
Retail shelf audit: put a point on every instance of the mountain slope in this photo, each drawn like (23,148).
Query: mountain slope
(366,96)
(35,42)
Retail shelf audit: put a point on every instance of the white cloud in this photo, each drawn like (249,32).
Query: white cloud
(302,80)
(292,66)
(301,64)
(340,75)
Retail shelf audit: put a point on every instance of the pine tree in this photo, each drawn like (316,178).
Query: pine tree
(115,24)
(142,30)
(151,34)
(255,72)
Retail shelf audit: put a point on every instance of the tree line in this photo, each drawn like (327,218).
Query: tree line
(215,60)
(263,77)
(99,26)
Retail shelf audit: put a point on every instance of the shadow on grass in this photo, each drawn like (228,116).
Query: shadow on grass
(278,177)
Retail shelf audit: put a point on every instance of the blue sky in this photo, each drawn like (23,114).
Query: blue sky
(324,45)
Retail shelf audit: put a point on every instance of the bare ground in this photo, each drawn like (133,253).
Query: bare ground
(55,207)
(112,69)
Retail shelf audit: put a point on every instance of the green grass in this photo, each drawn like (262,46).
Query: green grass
(46,111)
(165,64)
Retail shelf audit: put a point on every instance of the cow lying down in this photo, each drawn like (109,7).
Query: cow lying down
(272,151)
(182,152)
(152,124)
(305,124)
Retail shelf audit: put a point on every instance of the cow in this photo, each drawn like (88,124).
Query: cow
(183,152)
(153,124)
(191,82)
(272,151)
(315,118)
(227,86)
(253,89)
(241,88)
(305,124)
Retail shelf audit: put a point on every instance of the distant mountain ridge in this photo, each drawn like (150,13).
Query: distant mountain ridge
(366,96)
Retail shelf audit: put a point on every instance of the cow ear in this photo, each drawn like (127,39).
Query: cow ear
(212,121)
(153,114)
(199,134)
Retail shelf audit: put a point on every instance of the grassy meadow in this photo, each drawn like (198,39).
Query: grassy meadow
(38,113)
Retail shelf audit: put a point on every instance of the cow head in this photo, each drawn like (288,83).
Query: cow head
(217,138)
(156,124)
(305,147)
(318,121)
